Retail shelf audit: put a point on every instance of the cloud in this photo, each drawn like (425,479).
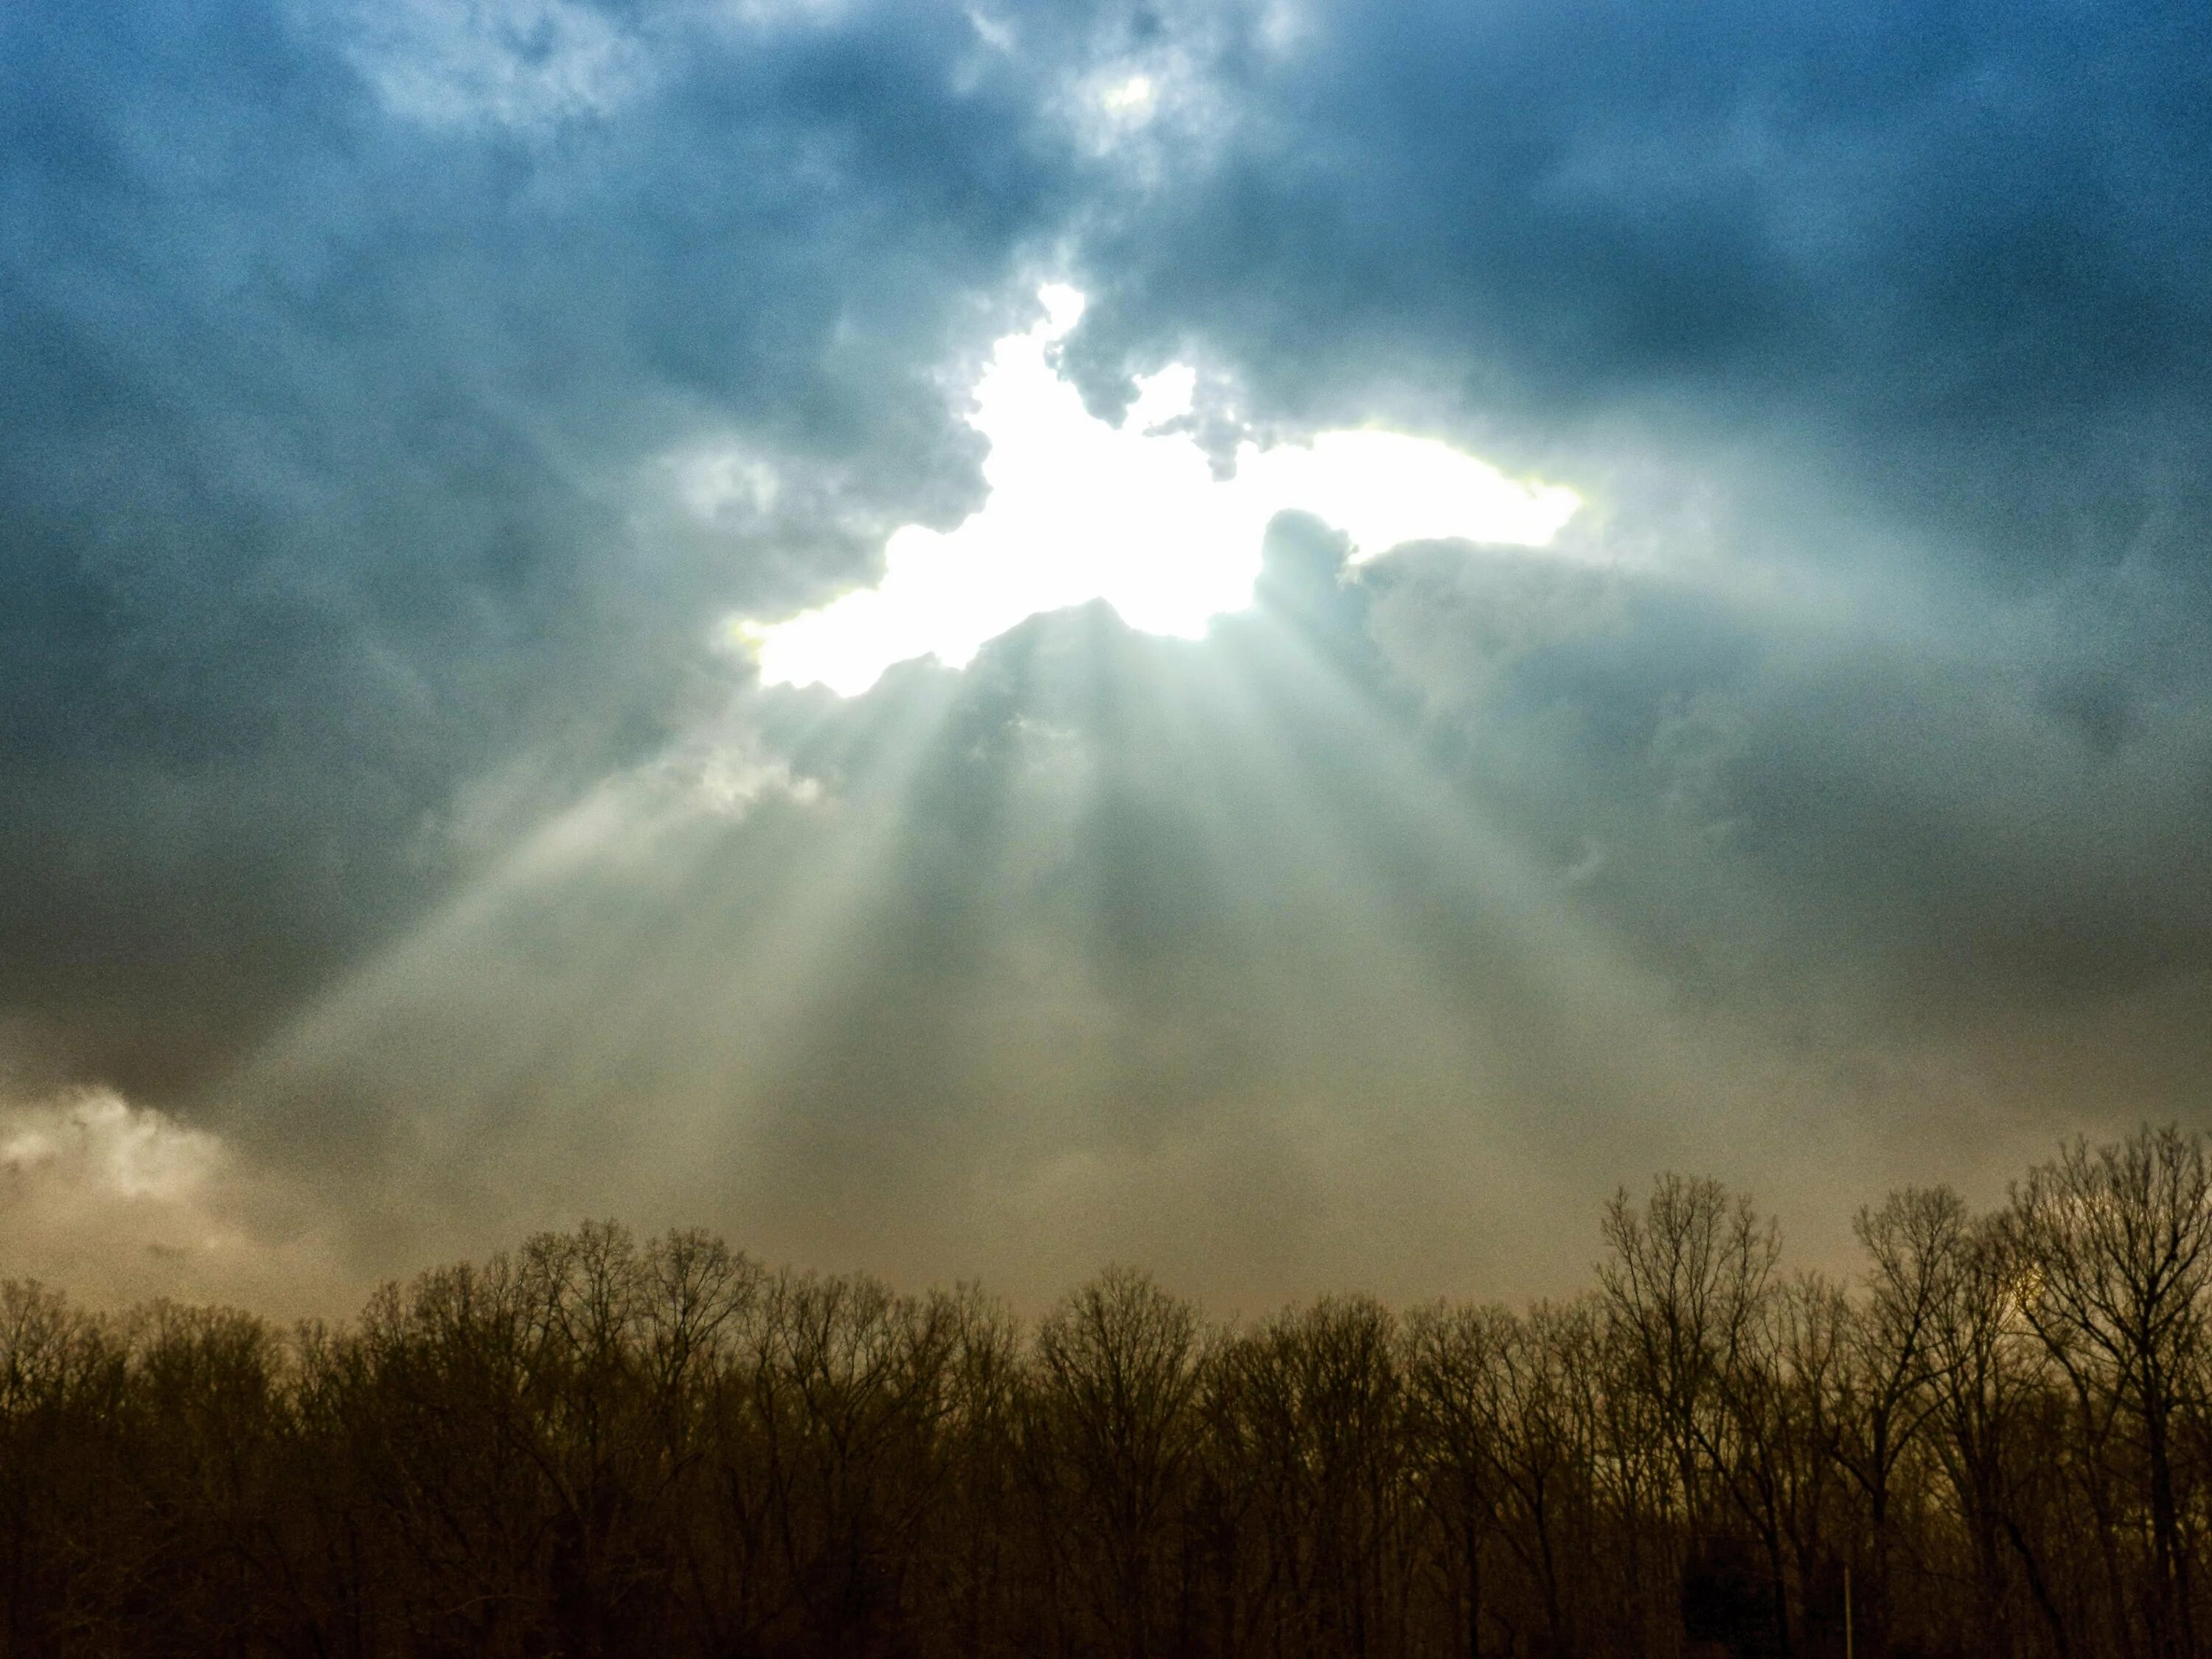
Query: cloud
(1945,264)
(114,1202)
(1134,515)
(517,63)
(399,402)
(339,468)
(1361,940)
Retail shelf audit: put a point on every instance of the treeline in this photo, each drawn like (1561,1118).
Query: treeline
(1997,1441)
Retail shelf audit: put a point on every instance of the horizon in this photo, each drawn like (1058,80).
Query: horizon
(1850,1274)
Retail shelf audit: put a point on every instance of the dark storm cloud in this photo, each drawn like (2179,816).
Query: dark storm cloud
(334,345)
(397,400)
(1882,337)
(1951,255)
(1819,808)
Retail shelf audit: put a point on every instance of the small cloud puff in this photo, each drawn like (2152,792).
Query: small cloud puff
(113,1201)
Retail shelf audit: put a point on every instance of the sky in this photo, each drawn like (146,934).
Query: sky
(1276,640)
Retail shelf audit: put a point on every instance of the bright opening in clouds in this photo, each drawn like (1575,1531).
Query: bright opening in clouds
(1081,510)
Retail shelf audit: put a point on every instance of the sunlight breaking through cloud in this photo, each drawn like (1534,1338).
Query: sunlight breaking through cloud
(1081,510)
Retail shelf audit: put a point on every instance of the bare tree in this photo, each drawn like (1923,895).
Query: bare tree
(593,1446)
(1112,1435)
(1916,1243)
(1688,1280)
(1322,1410)
(2114,1249)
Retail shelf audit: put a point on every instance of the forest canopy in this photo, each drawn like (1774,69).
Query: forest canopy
(1995,1440)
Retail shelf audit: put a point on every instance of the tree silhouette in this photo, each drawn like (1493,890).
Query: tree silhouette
(1998,1434)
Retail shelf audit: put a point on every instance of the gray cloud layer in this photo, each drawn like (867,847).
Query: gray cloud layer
(378,799)
(325,423)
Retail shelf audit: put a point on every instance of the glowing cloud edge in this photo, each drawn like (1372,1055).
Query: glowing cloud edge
(1080,510)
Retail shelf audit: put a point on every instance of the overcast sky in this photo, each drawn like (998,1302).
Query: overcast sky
(1784,750)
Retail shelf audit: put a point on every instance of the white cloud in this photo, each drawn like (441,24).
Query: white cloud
(95,1142)
(113,1202)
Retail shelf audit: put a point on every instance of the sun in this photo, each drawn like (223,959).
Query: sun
(1080,509)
